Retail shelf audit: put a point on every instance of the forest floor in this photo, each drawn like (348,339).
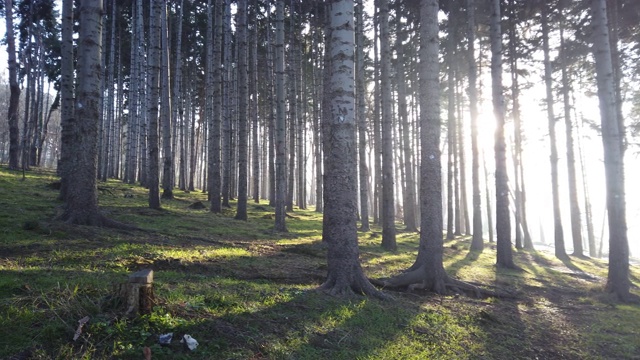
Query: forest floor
(245,292)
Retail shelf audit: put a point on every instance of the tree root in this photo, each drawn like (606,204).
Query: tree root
(338,287)
(440,283)
(93,219)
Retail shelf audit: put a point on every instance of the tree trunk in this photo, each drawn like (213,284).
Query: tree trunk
(81,202)
(503,222)
(293,114)
(14,86)
(520,188)
(153,73)
(178,102)
(227,128)
(363,171)
(254,107)
(67,119)
(453,213)
(271,115)
(165,114)
(317,133)
(428,271)
(214,153)
(281,177)
(557,217)
(576,224)
(618,281)
(241,28)
(388,201)
(345,275)
(476,240)
(409,205)
(377,138)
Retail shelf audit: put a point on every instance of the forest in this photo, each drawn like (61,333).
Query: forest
(370,179)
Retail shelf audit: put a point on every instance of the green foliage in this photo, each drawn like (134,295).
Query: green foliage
(244,291)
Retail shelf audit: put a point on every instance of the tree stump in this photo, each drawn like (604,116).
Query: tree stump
(139,293)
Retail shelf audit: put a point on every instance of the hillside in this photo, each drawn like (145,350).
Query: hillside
(245,292)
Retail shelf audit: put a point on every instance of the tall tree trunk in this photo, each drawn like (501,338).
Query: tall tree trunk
(67,119)
(591,238)
(254,105)
(476,240)
(227,131)
(503,222)
(428,270)
(488,199)
(143,99)
(153,73)
(388,201)
(618,281)
(520,188)
(165,114)
(81,201)
(271,115)
(14,86)
(345,275)
(576,224)
(241,28)
(409,205)
(317,133)
(178,102)
(281,177)
(292,83)
(363,171)
(557,217)
(216,109)
(453,209)
(377,138)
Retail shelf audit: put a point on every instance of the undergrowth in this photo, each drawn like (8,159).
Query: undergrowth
(244,291)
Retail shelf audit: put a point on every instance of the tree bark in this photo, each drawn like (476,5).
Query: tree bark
(476,240)
(363,171)
(574,205)
(241,28)
(409,206)
(345,275)
(81,202)
(618,281)
(153,69)
(503,222)
(557,217)
(281,177)
(14,86)
(388,200)
(67,119)
(165,114)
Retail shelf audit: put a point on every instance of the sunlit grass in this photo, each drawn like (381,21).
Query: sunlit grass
(244,291)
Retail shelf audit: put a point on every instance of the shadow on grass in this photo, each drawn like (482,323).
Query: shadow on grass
(468,260)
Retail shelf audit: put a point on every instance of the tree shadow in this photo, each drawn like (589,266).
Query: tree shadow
(453,268)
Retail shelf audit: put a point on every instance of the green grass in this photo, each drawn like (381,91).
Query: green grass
(245,292)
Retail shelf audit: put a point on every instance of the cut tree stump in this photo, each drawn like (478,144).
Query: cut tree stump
(139,293)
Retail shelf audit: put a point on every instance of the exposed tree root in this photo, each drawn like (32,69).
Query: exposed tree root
(93,219)
(439,283)
(341,287)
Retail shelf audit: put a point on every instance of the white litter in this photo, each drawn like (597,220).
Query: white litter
(192,343)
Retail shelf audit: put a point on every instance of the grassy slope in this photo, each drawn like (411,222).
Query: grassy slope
(244,292)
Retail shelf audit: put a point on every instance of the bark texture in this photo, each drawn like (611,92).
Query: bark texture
(388,200)
(503,222)
(14,98)
(618,281)
(281,166)
(345,275)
